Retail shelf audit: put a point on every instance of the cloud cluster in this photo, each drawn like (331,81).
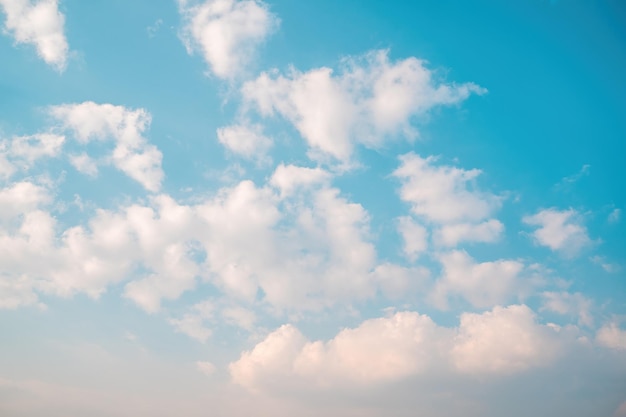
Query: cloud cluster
(505,340)
(132,154)
(38,22)
(446,198)
(368,101)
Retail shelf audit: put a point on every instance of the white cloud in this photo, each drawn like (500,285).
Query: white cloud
(226,32)
(611,336)
(559,230)
(443,194)
(451,235)
(247,141)
(370,100)
(85,164)
(502,341)
(414,235)
(20,198)
(288,178)
(566,303)
(132,154)
(31,148)
(483,285)
(40,23)
(505,340)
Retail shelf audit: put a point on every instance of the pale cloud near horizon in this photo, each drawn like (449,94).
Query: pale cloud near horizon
(39,23)
(505,340)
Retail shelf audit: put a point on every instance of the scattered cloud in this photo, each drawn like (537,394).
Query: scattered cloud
(39,23)
(606,265)
(559,230)
(569,304)
(226,32)
(132,154)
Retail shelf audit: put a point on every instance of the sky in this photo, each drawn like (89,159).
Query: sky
(287,208)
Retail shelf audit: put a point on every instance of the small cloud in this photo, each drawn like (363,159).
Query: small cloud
(561,231)
(571,179)
(154,28)
(615,216)
(205,367)
(607,266)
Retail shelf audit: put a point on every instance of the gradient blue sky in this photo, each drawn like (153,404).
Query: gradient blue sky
(287,208)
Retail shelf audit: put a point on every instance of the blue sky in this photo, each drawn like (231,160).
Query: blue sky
(278,208)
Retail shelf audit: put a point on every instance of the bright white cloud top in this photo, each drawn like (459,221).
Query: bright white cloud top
(322,208)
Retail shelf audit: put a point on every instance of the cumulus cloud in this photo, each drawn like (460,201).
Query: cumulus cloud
(226,32)
(559,230)
(443,194)
(483,285)
(368,101)
(40,23)
(247,141)
(503,341)
(132,154)
(447,198)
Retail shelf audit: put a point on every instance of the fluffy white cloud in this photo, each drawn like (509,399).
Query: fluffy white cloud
(443,194)
(559,230)
(452,234)
(226,32)
(246,141)
(502,341)
(483,285)
(85,164)
(369,100)
(415,237)
(21,197)
(505,340)
(566,303)
(31,148)
(611,336)
(40,23)
(132,154)
(288,178)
